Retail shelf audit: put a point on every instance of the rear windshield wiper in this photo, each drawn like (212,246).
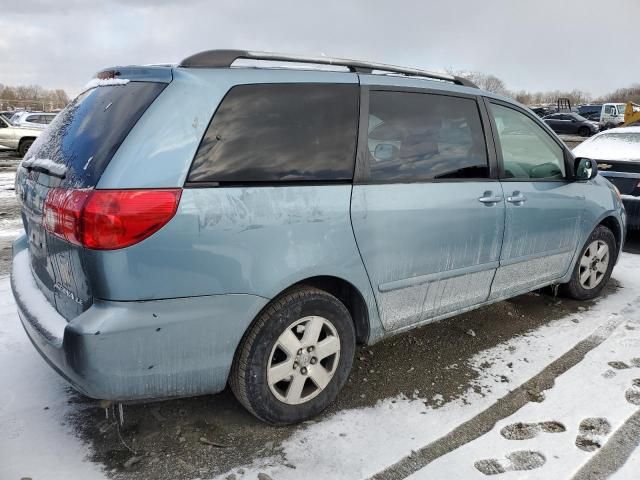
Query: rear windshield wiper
(44,165)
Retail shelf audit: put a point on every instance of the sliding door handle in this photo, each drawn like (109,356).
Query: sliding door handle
(517,198)
(488,198)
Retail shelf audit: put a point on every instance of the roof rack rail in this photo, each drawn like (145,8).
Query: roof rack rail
(225,58)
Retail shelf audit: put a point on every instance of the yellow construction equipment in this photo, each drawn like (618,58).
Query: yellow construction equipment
(631,114)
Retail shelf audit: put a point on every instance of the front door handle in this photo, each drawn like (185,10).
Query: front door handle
(517,198)
(488,198)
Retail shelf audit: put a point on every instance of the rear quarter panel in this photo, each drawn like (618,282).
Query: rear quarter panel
(252,240)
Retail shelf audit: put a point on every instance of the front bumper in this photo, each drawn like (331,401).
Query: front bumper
(128,351)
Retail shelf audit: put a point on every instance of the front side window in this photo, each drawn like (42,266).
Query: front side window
(528,151)
(280,133)
(421,137)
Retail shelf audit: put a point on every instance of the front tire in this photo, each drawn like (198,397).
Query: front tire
(593,268)
(295,358)
(584,132)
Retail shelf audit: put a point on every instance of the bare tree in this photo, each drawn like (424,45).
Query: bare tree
(32,97)
(488,82)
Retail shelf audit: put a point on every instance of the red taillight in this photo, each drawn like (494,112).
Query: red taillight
(108,219)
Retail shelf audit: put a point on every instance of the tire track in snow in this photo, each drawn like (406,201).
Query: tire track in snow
(614,453)
(506,406)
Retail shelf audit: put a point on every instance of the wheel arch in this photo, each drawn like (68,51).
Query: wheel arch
(23,139)
(612,223)
(348,294)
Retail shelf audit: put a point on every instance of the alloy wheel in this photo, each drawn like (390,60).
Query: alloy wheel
(303,360)
(594,264)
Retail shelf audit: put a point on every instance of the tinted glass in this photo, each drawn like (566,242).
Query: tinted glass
(528,151)
(280,132)
(417,136)
(86,134)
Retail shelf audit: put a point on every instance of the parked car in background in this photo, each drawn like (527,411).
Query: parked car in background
(32,119)
(17,138)
(303,212)
(543,111)
(589,111)
(617,152)
(593,117)
(7,115)
(571,124)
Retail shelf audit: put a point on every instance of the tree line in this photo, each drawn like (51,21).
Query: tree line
(36,98)
(494,84)
(32,97)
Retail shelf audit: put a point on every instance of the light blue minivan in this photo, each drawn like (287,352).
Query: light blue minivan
(247,218)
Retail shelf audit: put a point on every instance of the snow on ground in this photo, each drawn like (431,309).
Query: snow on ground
(35,440)
(7,181)
(359,443)
(10,228)
(590,402)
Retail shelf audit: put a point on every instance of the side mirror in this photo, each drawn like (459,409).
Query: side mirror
(386,152)
(585,169)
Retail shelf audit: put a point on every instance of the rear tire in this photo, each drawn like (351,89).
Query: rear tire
(593,267)
(295,358)
(24,146)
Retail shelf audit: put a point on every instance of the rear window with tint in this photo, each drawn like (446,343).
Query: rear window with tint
(86,134)
(280,133)
(422,137)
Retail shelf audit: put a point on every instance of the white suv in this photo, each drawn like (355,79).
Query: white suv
(16,138)
(32,119)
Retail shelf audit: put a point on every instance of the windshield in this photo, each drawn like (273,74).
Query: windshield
(86,134)
(580,118)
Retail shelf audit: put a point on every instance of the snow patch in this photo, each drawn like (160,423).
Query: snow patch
(36,441)
(45,164)
(50,322)
(588,403)
(105,82)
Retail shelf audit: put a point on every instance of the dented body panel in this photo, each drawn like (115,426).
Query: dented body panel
(139,350)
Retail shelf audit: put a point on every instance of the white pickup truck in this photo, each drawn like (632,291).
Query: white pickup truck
(612,115)
(16,138)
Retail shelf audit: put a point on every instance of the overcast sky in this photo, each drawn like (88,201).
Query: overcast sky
(589,45)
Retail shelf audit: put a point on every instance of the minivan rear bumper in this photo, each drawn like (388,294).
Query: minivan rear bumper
(126,351)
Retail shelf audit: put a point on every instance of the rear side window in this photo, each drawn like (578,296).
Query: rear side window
(280,133)
(417,137)
(87,133)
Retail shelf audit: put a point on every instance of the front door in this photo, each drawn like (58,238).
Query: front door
(427,217)
(543,208)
